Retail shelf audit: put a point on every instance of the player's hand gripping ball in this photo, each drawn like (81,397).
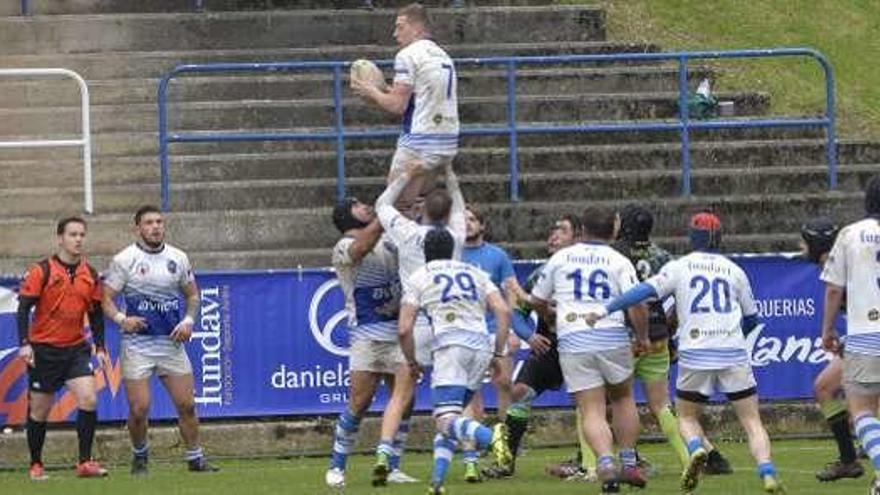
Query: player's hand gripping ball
(363,73)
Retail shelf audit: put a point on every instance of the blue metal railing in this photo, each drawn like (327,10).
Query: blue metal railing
(684,125)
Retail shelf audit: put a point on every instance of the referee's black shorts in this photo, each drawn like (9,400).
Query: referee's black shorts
(53,366)
(542,372)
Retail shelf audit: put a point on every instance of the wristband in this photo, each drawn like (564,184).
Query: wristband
(188,319)
(119,317)
(499,354)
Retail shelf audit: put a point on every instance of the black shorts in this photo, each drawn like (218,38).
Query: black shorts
(53,366)
(542,372)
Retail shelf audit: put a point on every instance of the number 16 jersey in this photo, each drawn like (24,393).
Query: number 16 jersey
(581,279)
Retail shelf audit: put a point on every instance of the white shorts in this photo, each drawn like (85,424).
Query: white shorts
(424,340)
(460,366)
(138,366)
(404,155)
(375,356)
(736,382)
(586,370)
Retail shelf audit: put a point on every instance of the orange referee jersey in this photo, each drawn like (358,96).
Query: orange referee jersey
(62,303)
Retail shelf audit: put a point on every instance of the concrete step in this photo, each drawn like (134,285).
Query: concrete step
(470,161)
(253,30)
(471,82)
(154,64)
(253,114)
(274,231)
(482,188)
(56,7)
(116,144)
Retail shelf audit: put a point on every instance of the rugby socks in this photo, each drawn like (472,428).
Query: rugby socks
(766,469)
(142,450)
(347,426)
(587,456)
(628,457)
(36,437)
(469,453)
(193,454)
(399,444)
(517,422)
(868,430)
(669,425)
(463,429)
(838,422)
(85,432)
(693,445)
(443,450)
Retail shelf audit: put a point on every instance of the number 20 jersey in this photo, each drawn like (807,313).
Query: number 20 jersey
(581,279)
(453,294)
(712,295)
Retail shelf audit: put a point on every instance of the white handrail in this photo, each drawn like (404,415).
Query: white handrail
(85,142)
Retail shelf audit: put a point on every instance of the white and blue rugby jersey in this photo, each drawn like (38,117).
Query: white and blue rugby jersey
(712,295)
(581,279)
(371,288)
(151,284)
(453,294)
(854,264)
(430,121)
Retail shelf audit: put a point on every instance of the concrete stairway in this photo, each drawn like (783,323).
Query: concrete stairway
(256,205)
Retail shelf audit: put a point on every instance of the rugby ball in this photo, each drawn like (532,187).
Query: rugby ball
(368,71)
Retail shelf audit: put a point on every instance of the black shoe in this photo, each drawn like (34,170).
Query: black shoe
(838,470)
(139,465)
(497,472)
(612,486)
(717,464)
(201,465)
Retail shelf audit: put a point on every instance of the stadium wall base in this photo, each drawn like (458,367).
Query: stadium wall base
(312,436)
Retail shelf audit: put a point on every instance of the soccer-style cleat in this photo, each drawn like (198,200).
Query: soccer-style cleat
(646,467)
(773,485)
(495,472)
(836,470)
(201,465)
(381,470)
(472,473)
(875,487)
(632,476)
(335,478)
(565,469)
(37,473)
(717,464)
(611,486)
(90,469)
(498,446)
(436,489)
(690,478)
(139,465)
(399,477)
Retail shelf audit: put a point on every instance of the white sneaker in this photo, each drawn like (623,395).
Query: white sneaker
(398,476)
(335,478)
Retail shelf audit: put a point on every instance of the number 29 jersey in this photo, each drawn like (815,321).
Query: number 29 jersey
(581,279)
(712,295)
(454,296)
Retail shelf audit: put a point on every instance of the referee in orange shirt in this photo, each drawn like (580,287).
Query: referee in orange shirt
(64,289)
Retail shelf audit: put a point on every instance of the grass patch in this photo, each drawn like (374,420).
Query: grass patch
(848,33)
(795,460)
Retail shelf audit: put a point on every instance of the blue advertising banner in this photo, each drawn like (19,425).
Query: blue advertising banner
(275,343)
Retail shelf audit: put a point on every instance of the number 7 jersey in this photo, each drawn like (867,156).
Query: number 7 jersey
(581,279)
(454,295)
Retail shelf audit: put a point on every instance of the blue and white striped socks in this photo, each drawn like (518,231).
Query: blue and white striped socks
(868,430)
(399,444)
(343,440)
